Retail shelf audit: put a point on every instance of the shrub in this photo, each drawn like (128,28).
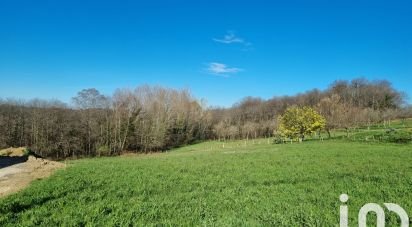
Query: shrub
(28,152)
(399,137)
(297,122)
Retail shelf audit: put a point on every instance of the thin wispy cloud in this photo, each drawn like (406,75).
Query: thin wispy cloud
(229,38)
(221,69)
(232,38)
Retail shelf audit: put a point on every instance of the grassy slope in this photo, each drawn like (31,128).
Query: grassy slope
(257,184)
(375,133)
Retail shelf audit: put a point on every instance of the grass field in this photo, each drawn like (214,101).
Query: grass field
(206,184)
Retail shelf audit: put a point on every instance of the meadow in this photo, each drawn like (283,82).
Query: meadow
(237,183)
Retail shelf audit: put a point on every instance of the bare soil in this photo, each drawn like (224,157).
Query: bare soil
(13,152)
(18,176)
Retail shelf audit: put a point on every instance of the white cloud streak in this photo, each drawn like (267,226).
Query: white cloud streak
(221,69)
(229,38)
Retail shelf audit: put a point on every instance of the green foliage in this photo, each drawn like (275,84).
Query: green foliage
(28,151)
(391,135)
(103,150)
(256,184)
(278,139)
(297,122)
(399,136)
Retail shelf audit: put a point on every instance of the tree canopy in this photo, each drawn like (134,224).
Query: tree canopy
(153,118)
(297,122)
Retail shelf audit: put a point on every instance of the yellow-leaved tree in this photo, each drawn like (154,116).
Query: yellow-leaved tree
(297,122)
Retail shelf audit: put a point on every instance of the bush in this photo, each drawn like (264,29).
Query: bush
(389,136)
(399,137)
(278,140)
(28,152)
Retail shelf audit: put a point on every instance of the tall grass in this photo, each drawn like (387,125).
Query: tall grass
(224,184)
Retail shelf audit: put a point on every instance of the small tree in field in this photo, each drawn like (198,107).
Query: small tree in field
(297,122)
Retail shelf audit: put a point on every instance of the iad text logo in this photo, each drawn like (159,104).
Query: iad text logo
(375,208)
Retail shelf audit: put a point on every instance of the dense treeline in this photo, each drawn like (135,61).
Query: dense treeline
(155,118)
(144,119)
(345,104)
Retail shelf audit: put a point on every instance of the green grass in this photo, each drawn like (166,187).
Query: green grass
(206,184)
(398,131)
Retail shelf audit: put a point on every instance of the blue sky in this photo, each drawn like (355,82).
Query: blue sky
(221,50)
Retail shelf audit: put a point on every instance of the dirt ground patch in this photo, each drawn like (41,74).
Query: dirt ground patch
(18,176)
(13,152)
